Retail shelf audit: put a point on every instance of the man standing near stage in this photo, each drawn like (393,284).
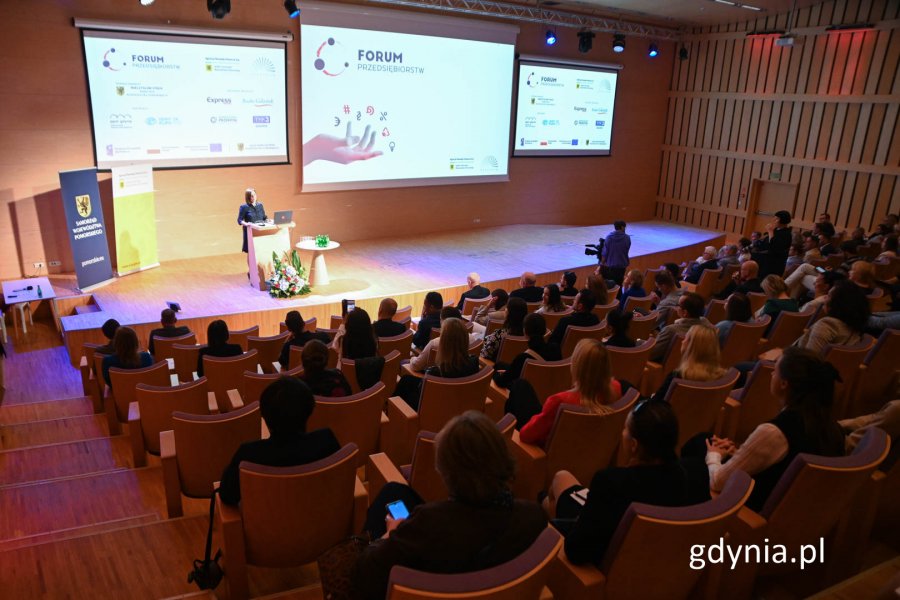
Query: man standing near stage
(614,261)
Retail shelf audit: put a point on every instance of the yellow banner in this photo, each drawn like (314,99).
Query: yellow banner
(134,207)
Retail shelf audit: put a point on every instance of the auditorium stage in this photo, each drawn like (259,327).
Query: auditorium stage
(369,270)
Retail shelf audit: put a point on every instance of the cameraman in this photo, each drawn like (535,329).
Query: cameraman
(614,258)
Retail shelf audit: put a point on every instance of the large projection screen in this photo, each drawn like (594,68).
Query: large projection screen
(180,101)
(393,99)
(564,108)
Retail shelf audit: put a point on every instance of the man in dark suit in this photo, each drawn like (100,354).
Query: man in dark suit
(582,317)
(528,291)
(744,281)
(299,336)
(251,211)
(693,274)
(167,319)
(431,317)
(567,284)
(386,326)
(475,291)
(285,407)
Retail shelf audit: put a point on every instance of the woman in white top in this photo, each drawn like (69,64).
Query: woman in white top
(552,301)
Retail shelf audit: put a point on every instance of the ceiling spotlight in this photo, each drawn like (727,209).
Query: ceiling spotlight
(551,37)
(653,52)
(218,8)
(291,7)
(618,43)
(585,41)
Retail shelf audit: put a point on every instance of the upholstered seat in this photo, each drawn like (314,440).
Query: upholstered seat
(742,343)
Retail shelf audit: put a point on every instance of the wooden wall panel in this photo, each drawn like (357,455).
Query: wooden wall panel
(823,114)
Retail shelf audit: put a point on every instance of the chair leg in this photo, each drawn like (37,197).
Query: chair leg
(112,419)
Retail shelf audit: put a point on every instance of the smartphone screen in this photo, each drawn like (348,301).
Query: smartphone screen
(347,306)
(397,510)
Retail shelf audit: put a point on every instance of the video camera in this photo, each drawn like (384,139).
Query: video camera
(595,249)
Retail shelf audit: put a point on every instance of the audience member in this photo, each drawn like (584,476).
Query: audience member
(169,329)
(538,349)
(666,296)
(737,310)
(476,291)
(567,284)
(217,344)
(426,358)
(479,526)
(707,261)
(862,273)
(700,358)
(299,337)
(495,310)
(690,313)
(386,326)
(811,248)
(583,316)
(528,291)
(827,240)
(516,309)
(619,321)
(552,302)
(745,281)
(632,286)
(593,387)
(431,317)
(598,287)
(821,287)
(795,257)
(805,385)
(614,258)
(109,332)
(888,248)
(774,248)
(359,339)
(285,405)
(777,299)
(857,239)
(848,311)
(675,271)
(127,353)
(316,374)
(730,256)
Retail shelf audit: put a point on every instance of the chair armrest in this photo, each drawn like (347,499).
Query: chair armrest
(171,363)
(194,376)
(380,471)
(744,527)
(406,369)
(360,505)
(567,580)
(730,417)
(234,399)
(498,394)
(276,367)
(383,431)
(493,409)
(401,430)
(652,378)
(211,403)
(171,480)
(173,379)
(138,449)
(532,461)
(773,354)
(85,369)
(486,362)
(112,419)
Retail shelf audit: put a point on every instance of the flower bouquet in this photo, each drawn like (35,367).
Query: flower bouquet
(322,241)
(289,278)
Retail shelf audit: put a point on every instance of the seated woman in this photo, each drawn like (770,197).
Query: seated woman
(592,386)
(777,299)
(700,359)
(805,385)
(848,311)
(652,475)
(862,273)
(453,361)
(493,310)
(479,526)
(285,406)
(127,355)
(737,310)
(217,344)
(516,309)
(316,374)
(821,288)
(598,286)
(360,344)
(535,328)
(619,322)
(552,300)
(632,285)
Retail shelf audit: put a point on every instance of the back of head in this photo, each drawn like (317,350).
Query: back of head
(285,406)
(473,460)
(693,305)
(294,322)
(535,326)
(434,301)
(516,309)
(167,317)
(619,225)
(810,391)
(502,297)
(598,288)
(774,286)
(217,333)
(619,321)
(655,427)
(784,217)
(848,303)
(359,340)
(675,271)
(569,277)
(314,357)
(738,308)
(591,372)
(125,343)
(637,278)
(587,300)
(450,312)
(528,278)
(749,269)
(663,279)
(701,360)
(473,278)
(387,309)
(109,328)
(826,229)
(453,346)
(890,243)
(863,273)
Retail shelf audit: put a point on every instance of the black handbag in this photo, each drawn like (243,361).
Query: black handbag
(207,573)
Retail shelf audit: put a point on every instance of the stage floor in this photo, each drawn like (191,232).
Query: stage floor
(404,268)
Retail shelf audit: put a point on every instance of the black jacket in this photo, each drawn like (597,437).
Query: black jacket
(476,293)
(532,293)
(167,332)
(250,214)
(579,319)
(388,328)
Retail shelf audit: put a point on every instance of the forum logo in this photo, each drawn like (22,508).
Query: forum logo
(331,58)
(109,61)
(529,81)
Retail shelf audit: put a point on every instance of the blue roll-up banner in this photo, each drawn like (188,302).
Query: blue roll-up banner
(87,231)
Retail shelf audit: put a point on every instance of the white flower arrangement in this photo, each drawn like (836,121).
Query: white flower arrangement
(289,278)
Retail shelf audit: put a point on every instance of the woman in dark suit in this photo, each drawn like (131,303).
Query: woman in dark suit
(251,211)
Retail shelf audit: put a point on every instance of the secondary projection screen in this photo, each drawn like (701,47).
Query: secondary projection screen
(564,109)
(394,99)
(180,101)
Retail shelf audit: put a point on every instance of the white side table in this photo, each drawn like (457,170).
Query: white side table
(19,297)
(318,273)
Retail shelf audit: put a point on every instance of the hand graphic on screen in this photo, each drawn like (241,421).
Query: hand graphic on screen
(343,150)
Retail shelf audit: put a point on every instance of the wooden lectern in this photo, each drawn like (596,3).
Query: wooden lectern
(262,240)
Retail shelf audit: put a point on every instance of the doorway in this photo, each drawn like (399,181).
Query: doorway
(766,198)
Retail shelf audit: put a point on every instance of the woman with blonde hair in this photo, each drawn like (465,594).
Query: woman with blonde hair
(777,298)
(700,358)
(593,387)
(633,285)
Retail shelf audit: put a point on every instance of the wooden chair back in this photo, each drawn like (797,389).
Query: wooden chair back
(474,347)
(163,345)
(583,442)
(552,319)
(787,329)
(296,354)
(403,313)
(255,382)
(634,302)
(241,337)
(654,377)
(833,261)
(613,292)
(206,443)
(157,403)
(670,531)
(314,502)
(353,419)
(706,286)
(602,310)
(725,278)
(493,325)
(575,334)
(742,343)
(847,361)
(757,403)
(421,473)
(124,382)
(443,398)
(522,578)
(268,349)
(643,326)
(185,358)
(715,311)
(628,363)
(227,373)
(880,379)
(97,385)
(510,347)
(886,269)
(472,305)
(757,300)
(697,404)
(868,251)
(548,377)
(879,301)
(401,343)
(389,373)
(533,306)
(336,322)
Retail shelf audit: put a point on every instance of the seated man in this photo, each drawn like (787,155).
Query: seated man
(707,261)
(730,257)
(528,291)
(582,317)
(431,317)
(827,240)
(386,326)
(285,406)
(690,313)
(666,297)
(476,291)
(299,336)
(109,332)
(744,281)
(167,319)
(567,284)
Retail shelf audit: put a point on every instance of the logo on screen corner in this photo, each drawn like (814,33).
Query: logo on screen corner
(83,205)
(108,61)
(336,57)
(529,81)
(263,65)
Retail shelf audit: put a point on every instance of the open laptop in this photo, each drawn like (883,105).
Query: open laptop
(283,217)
